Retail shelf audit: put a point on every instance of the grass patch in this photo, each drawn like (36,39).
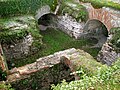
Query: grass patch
(103,3)
(92,51)
(54,41)
(106,78)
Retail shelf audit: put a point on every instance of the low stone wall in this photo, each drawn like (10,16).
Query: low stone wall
(43,79)
(110,51)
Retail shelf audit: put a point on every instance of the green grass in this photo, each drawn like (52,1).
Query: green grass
(103,3)
(54,41)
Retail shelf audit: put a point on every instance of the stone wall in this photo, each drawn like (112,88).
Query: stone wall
(52,69)
(18,50)
(107,55)
(43,79)
(110,51)
(70,26)
(19,37)
(41,63)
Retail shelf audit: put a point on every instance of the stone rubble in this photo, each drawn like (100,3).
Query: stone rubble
(27,42)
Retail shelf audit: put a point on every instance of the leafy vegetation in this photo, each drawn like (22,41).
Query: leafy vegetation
(103,3)
(106,78)
(54,41)
(4,86)
(74,9)
(9,33)
(3,75)
(115,38)
(17,7)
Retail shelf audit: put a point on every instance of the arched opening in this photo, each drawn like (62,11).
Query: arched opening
(47,19)
(95,29)
(96,26)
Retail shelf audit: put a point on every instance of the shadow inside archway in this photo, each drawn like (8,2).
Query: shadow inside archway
(96,29)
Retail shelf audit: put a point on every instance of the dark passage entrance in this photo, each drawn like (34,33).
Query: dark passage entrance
(97,30)
(47,19)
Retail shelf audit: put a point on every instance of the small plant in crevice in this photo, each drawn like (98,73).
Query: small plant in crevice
(3,75)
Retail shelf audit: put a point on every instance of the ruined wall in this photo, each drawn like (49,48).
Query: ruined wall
(111,49)
(52,69)
(19,37)
(19,49)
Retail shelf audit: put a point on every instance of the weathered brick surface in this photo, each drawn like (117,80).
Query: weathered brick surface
(108,16)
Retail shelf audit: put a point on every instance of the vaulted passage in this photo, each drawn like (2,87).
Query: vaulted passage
(96,26)
(96,29)
(47,19)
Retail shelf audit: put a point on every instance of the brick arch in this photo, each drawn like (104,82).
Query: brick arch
(101,15)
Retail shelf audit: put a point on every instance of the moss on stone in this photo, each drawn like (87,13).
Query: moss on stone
(87,62)
(15,28)
(103,3)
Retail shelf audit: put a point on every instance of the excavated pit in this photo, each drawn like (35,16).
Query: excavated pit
(43,79)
